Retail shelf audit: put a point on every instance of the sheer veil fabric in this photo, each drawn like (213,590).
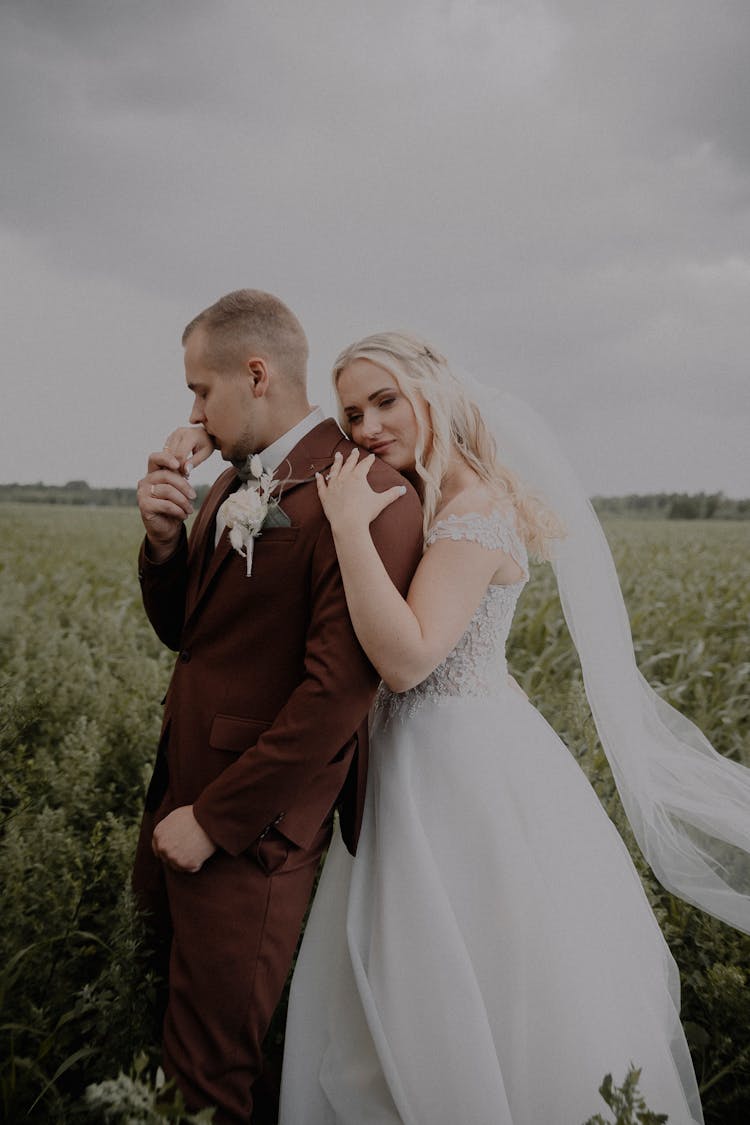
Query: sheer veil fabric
(689,807)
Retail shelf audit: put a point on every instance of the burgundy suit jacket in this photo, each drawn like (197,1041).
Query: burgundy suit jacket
(265,721)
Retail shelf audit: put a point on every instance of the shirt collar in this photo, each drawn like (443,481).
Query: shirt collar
(278,451)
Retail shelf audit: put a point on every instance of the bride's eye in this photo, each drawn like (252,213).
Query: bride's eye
(387,401)
(353,419)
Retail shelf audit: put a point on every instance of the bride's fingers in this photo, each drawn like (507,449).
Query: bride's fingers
(362,468)
(389,496)
(335,468)
(341,469)
(348,466)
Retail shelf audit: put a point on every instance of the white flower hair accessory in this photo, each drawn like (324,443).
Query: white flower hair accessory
(246,512)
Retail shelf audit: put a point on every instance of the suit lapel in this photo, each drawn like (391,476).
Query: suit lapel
(202,558)
(313,454)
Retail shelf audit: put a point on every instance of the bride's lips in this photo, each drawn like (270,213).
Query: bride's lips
(379,447)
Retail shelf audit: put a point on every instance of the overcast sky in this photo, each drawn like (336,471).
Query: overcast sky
(556,194)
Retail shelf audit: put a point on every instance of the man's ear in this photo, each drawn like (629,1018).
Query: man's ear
(258,373)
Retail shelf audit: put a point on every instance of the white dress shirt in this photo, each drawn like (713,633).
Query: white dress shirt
(280,449)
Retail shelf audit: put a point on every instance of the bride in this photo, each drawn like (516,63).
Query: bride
(489,955)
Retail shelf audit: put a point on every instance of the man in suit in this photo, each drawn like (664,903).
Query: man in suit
(264,731)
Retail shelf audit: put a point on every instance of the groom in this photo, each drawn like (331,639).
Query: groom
(265,720)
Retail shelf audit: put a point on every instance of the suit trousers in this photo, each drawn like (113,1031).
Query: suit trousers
(234,926)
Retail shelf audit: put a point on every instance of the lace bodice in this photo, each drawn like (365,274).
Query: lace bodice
(476,666)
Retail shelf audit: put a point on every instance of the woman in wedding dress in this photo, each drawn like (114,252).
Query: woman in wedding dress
(490,954)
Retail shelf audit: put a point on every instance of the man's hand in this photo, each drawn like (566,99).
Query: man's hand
(180,841)
(165,499)
(191,445)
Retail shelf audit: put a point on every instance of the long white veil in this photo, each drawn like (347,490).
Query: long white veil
(689,807)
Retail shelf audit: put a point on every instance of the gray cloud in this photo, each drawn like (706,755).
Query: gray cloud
(558,194)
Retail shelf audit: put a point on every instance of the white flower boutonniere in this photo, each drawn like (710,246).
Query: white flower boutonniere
(250,509)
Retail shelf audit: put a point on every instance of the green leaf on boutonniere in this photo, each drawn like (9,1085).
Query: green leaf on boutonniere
(276,517)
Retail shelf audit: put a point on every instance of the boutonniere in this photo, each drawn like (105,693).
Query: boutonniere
(250,509)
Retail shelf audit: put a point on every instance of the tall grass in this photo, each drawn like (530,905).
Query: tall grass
(81,676)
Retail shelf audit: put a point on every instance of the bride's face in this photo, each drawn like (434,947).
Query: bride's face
(379,414)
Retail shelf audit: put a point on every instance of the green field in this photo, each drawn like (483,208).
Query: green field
(82,676)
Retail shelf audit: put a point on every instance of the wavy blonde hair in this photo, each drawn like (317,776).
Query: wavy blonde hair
(456,425)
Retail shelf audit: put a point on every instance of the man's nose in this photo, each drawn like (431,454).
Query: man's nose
(196,414)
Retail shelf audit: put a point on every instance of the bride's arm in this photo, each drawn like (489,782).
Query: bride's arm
(404,639)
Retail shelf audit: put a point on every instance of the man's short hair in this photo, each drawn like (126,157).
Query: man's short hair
(249,320)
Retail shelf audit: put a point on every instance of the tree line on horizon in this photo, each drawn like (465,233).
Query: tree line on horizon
(674,505)
(657,505)
(78,493)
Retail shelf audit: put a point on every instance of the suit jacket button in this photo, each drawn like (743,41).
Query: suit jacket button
(185,656)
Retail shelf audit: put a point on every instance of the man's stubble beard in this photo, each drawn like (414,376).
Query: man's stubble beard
(245,446)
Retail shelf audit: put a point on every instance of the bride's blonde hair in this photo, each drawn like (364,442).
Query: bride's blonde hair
(456,425)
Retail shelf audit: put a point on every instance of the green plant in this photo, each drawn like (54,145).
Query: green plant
(81,676)
(626,1103)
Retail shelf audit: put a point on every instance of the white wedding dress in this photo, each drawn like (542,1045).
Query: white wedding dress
(490,953)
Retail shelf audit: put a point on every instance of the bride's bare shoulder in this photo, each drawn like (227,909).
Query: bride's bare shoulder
(478,499)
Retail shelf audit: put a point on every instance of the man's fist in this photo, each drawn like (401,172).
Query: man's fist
(180,841)
(165,500)
(191,445)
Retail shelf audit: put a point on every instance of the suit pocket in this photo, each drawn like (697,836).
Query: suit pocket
(273,535)
(229,732)
(271,850)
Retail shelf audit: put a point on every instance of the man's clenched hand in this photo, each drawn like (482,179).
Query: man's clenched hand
(165,500)
(180,841)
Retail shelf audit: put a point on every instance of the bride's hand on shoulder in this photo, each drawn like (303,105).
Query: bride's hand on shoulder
(191,445)
(347,498)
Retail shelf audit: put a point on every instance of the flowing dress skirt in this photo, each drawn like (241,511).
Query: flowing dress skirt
(490,954)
